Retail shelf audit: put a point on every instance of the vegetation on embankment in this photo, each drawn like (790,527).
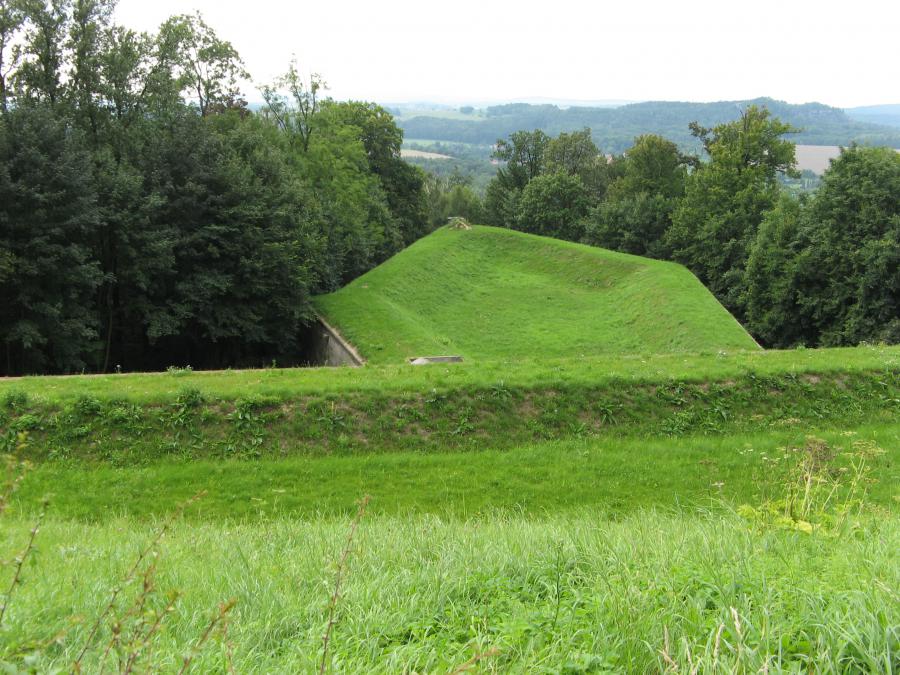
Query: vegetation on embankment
(487,293)
(192,423)
(711,593)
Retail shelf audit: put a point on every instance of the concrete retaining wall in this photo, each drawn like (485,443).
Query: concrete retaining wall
(329,348)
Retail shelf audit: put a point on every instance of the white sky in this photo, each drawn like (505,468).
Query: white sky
(840,53)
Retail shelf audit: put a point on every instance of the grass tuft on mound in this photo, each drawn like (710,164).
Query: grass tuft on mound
(489,293)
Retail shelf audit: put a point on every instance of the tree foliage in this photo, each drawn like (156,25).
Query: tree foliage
(148,218)
(637,213)
(726,198)
(827,271)
(554,205)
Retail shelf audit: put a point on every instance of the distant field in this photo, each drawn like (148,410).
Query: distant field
(816,158)
(422,154)
(438,112)
(431,141)
(489,293)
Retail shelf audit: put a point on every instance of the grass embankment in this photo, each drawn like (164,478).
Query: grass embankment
(446,440)
(194,424)
(565,593)
(489,293)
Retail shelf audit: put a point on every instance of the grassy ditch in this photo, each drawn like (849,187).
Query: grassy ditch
(613,476)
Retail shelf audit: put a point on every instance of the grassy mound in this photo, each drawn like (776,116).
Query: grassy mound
(489,293)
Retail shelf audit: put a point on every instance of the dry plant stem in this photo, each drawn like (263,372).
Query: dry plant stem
(20,561)
(224,608)
(737,629)
(145,639)
(76,666)
(229,650)
(332,605)
(664,652)
(136,610)
(464,667)
(715,662)
(11,487)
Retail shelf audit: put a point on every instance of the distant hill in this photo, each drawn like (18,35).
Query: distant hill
(887,115)
(491,293)
(615,128)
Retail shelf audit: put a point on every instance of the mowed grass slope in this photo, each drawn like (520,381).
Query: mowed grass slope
(490,293)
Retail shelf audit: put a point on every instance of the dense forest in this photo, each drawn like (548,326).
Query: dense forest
(149,219)
(819,270)
(614,129)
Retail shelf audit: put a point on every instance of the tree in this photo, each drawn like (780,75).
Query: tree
(524,157)
(554,205)
(12,19)
(403,184)
(774,298)
(849,269)
(449,197)
(501,203)
(242,273)
(637,212)
(47,221)
(89,23)
(635,224)
(725,199)
(39,73)
(576,154)
(653,166)
(295,116)
(355,219)
(209,67)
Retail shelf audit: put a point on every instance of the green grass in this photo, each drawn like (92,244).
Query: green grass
(600,370)
(567,593)
(490,293)
(615,476)
(589,553)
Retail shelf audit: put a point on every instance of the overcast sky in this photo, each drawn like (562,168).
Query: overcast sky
(841,53)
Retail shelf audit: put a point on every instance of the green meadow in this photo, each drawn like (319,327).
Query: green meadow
(732,511)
